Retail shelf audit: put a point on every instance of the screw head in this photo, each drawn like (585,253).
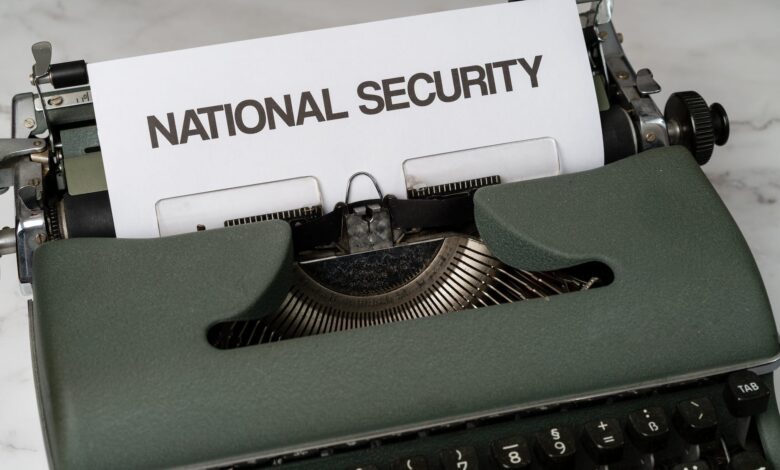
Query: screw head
(620,37)
(622,75)
(40,238)
(37,143)
(650,137)
(29,123)
(603,35)
(56,100)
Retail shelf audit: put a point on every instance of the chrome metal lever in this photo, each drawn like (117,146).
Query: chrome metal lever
(7,241)
(12,148)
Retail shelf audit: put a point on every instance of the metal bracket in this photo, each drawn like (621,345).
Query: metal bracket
(41,52)
(24,120)
(634,90)
(12,148)
(65,100)
(31,221)
(369,228)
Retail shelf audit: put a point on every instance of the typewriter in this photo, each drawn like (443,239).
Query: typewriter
(608,319)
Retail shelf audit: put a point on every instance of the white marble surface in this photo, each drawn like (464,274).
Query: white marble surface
(728,51)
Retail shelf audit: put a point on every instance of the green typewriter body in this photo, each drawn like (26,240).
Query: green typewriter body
(613,318)
(132,381)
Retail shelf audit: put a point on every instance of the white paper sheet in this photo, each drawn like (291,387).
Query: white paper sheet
(537,41)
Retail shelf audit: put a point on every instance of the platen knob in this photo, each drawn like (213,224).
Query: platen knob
(695,125)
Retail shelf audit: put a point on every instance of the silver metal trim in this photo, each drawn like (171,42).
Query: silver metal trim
(64,100)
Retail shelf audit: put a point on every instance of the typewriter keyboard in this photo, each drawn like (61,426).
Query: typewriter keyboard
(704,425)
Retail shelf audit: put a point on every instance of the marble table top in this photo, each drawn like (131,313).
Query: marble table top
(727,51)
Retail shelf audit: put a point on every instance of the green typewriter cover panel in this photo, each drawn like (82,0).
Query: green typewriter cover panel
(127,379)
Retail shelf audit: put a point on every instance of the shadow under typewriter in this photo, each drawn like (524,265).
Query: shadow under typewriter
(407,282)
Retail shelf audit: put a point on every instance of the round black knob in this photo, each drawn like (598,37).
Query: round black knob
(694,125)
(720,123)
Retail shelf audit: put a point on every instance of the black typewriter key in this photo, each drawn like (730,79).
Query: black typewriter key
(697,465)
(603,440)
(648,429)
(748,461)
(411,463)
(746,394)
(511,452)
(696,420)
(716,453)
(556,447)
(459,458)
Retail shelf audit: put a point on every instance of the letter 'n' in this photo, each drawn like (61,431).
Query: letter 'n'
(170,132)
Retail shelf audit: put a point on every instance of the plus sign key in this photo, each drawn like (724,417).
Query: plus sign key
(603,440)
